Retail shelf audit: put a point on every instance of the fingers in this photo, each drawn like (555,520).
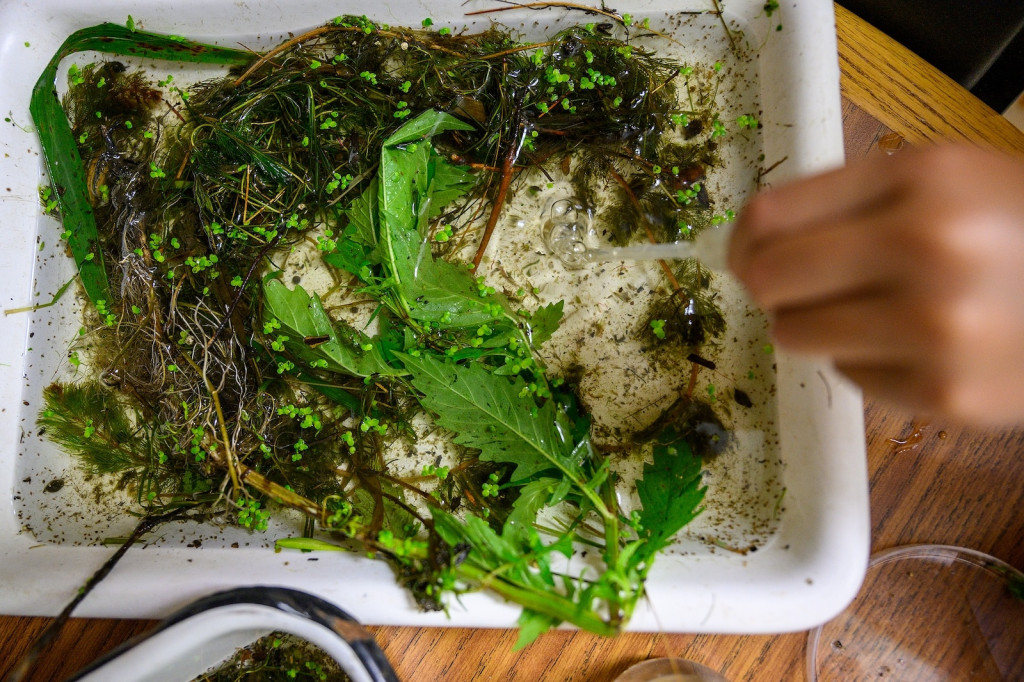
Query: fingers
(852,330)
(906,271)
(836,260)
(831,196)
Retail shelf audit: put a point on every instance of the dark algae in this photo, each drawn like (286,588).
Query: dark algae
(375,161)
(277,657)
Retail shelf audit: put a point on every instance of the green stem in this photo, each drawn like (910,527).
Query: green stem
(575,538)
(549,604)
(611,545)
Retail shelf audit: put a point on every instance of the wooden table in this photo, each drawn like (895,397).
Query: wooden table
(930,482)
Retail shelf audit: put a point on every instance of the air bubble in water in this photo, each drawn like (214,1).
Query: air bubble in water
(565,229)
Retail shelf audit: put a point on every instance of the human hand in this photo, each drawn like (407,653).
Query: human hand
(907,271)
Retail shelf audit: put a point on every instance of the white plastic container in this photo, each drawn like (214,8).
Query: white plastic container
(801,575)
(205,634)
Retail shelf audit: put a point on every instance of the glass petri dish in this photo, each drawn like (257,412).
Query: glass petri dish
(926,612)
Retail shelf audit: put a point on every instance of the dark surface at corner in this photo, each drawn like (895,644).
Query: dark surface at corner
(978,44)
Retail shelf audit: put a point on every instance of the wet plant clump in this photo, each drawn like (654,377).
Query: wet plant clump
(277,657)
(379,154)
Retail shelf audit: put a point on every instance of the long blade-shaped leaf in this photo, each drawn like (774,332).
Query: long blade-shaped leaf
(416,183)
(533,497)
(60,153)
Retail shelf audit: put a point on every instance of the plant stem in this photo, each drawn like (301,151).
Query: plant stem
(321,30)
(611,546)
(25,665)
(549,604)
(542,5)
(499,198)
(728,32)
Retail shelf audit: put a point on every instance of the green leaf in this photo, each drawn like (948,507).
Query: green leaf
(544,323)
(533,497)
(670,492)
(306,324)
(498,564)
(60,150)
(393,516)
(531,626)
(351,255)
(338,395)
(416,183)
(411,172)
(426,125)
(488,412)
(449,183)
(493,552)
(404,175)
(504,334)
(490,550)
(362,216)
(435,290)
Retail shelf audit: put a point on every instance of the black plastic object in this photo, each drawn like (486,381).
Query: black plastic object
(374,663)
(978,44)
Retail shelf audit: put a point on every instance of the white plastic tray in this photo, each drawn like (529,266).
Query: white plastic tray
(802,575)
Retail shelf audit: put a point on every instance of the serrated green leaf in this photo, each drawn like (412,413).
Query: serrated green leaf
(350,255)
(448,527)
(533,497)
(409,166)
(670,492)
(436,290)
(488,412)
(488,550)
(527,565)
(338,395)
(362,216)
(303,318)
(405,177)
(489,563)
(501,339)
(475,353)
(449,183)
(544,323)
(393,337)
(391,515)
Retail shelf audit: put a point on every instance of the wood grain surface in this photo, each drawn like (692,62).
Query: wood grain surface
(930,482)
(908,94)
